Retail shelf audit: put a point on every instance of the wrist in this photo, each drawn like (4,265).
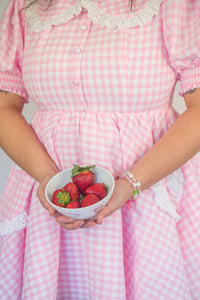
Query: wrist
(48,174)
(127,188)
(135,184)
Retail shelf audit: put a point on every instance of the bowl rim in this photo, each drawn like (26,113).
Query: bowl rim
(80,209)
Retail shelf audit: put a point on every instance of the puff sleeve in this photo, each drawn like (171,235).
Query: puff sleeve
(12,48)
(181,29)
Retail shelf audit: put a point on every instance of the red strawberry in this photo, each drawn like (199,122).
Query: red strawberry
(74,204)
(73,191)
(99,189)
(83,177)
(89,200)
(60,198)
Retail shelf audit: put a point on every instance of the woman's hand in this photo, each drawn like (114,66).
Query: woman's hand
(65,222)
(41,194)
(71,224)
(122,192)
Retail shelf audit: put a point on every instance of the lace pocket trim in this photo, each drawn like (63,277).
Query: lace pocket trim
(96,15)
(168,193)
(15,224)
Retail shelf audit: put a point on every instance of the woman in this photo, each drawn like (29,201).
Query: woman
(103,77)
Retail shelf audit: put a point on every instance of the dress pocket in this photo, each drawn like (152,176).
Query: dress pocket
(15,201)
(168,193)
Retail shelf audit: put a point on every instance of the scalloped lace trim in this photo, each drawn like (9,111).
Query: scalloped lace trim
(96,15)
(183,91)
(17,223)
(168,193)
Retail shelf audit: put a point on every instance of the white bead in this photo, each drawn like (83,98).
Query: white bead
(77,51)
(83,27)
(76,82)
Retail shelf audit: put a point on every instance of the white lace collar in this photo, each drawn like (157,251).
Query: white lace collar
(97,15)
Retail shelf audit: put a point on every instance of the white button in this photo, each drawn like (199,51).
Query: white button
(76,82)
(77,51)
(83,27)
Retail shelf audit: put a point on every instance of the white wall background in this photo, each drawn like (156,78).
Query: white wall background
(29,110)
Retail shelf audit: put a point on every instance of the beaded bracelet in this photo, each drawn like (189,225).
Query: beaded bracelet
(134,183)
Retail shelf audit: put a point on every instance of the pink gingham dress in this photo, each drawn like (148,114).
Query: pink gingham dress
(103,79)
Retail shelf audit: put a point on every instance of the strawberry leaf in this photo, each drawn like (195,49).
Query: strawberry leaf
(106,187)
(59,195)
(78,169)
(63,197)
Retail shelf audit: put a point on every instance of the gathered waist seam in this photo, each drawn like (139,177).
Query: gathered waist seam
(164,108)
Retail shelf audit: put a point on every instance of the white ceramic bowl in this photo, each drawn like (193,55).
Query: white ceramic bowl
(62,178)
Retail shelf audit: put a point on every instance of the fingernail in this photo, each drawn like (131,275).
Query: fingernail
(81,224)
(51,213)
(100,220)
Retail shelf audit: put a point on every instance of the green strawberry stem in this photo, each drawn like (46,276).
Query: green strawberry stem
(78,169)
(63,197)
(106,187)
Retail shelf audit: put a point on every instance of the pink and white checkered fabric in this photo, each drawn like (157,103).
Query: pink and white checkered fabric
(104,98)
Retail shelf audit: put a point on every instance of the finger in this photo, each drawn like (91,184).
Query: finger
(108,210)
(48,207)
(45,203)
(72,226)
(56,215)
(64,219)
(89,223)
(105,212)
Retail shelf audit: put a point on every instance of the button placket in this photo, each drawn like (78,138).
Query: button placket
(77,58)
